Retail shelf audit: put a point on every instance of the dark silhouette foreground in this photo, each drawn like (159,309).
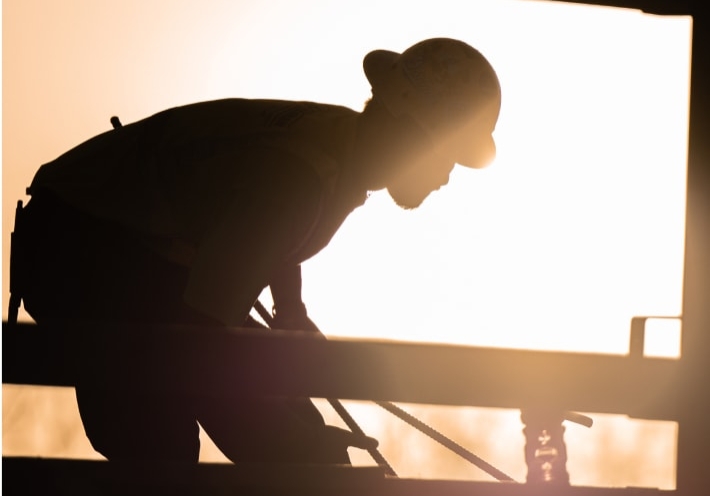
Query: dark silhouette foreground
(184,217)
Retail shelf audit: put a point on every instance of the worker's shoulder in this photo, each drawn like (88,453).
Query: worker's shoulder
(237,116)
(277,112)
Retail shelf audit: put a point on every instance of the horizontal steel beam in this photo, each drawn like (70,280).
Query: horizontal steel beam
(201,361)
(31,476)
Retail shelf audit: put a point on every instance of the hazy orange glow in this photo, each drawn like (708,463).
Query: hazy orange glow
(576,227)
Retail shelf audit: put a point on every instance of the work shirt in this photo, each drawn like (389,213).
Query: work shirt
(235,190)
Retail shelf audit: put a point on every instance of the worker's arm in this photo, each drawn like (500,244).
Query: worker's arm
(289,310)
(251,241)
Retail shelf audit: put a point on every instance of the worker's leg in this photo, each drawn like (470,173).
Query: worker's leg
(274,430)
(84,269)
(127,427)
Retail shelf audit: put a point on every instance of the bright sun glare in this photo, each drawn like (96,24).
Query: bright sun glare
(577,227)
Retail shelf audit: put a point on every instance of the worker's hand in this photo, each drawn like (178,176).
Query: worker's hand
(287,430)
(339,438)
(289,312)
(333,443)
(304,435)
(294,318)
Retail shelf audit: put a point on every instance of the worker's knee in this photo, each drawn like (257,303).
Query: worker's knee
(137,428)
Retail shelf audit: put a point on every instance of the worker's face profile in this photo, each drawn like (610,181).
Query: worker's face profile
(420,177)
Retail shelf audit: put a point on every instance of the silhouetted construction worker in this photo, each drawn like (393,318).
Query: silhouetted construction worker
(186,216)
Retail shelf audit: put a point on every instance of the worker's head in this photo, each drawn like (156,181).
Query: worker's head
(448,88)
(451,93)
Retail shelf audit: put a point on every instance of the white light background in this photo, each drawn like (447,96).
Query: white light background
(576,227)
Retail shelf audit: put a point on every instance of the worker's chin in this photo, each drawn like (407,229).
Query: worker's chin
(408,200)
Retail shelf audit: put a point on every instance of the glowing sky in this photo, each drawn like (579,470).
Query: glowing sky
(576,227)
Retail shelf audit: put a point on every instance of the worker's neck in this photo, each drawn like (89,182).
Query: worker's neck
(384,144)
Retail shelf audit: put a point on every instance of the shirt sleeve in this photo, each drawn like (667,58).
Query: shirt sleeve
(252,239)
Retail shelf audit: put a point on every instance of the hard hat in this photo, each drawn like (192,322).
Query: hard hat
(448,88)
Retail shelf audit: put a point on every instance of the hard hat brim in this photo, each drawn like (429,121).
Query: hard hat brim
(479,154)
